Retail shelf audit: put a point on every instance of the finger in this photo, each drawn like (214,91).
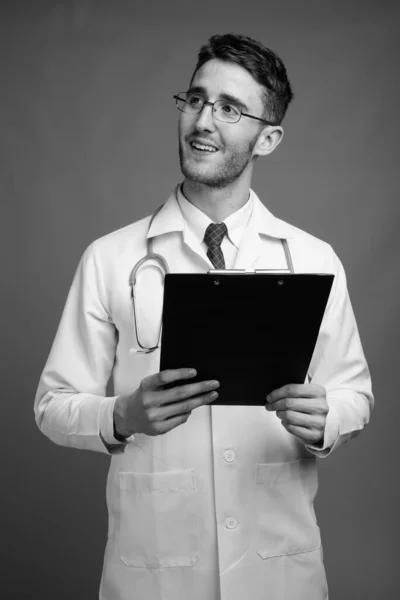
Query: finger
(158,380)
(297,390)
(180,408)
(169,424)
(183,392)
(316,406)
(290,417)
(308,436)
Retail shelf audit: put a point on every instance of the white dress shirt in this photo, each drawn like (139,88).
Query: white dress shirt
(196,223)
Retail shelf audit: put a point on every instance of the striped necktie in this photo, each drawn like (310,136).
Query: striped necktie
(213,237)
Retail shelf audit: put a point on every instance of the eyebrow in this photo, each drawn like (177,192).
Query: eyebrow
(198,89)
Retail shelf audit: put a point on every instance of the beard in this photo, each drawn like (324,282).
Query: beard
(223,174)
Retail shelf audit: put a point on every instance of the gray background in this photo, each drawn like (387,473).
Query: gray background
(88,144)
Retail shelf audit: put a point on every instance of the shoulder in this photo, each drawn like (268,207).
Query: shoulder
(310,252)
(307,240)
(130,239)
(130,234)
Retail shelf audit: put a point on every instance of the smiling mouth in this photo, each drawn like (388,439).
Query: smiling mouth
(203,148)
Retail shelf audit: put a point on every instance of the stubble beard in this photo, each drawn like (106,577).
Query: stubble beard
(219,176)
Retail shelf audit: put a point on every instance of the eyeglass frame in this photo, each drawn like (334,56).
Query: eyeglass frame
(208,103)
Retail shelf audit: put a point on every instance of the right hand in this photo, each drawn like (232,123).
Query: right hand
(154,410)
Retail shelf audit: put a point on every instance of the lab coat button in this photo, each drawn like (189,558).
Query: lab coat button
(229,456)
(231,522)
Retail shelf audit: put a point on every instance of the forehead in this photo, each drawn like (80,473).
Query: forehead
(219,77)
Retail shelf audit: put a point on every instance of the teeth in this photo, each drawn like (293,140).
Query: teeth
(203,147)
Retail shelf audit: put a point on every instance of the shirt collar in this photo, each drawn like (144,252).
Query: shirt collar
(170,218)
(197,221)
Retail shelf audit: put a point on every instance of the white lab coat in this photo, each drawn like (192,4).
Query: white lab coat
(222,506)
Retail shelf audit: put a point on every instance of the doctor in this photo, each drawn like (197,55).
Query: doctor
(205,502)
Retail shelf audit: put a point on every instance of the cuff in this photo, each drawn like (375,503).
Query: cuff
(331,435)
(113,445)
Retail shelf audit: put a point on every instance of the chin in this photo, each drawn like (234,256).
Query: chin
(199,176)
(194,173)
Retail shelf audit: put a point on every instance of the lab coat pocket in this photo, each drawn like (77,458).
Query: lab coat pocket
(158,519)
(286,518)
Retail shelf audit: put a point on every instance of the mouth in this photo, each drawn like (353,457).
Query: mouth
(202,148)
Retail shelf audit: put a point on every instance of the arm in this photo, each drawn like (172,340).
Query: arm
(338,401)
(71,407)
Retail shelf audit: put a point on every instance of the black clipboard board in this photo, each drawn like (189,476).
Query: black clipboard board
(253,332)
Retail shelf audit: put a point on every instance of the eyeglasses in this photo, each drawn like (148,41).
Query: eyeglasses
(227,112)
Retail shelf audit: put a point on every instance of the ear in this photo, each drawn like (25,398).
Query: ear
(269,138)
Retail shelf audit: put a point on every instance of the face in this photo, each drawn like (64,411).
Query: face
(233,143)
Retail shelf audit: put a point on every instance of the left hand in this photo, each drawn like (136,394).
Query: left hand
(302,409)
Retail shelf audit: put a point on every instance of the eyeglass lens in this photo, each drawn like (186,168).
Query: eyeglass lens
(222,110)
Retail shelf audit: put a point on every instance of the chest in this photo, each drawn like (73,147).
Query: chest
(137,309)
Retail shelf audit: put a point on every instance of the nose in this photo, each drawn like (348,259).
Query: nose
(205,120)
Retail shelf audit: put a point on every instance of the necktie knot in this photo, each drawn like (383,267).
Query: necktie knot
(215,233)
(213,237)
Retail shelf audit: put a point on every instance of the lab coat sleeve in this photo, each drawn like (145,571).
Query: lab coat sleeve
(339,365)
(71,407)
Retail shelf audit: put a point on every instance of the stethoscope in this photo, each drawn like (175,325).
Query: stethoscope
(159,263)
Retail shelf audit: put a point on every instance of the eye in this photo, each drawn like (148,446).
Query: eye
(194,100)
(230,110)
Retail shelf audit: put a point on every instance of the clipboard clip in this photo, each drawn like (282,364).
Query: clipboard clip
(246,271)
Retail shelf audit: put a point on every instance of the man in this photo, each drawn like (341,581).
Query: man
(205,502)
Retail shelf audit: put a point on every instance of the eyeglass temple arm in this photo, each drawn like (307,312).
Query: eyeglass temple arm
(257,118)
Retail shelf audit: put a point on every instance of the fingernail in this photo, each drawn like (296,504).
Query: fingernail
(214,395)
(192,372)
(269,398)
(214,383)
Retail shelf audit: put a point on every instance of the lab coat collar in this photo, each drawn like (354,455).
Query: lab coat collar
(196,221)
(170,219)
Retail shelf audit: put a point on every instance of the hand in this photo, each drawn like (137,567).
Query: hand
(302,409)
(154,410)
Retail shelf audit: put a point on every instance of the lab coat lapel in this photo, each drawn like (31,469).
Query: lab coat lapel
(250,247)
(261,243)
(170,220)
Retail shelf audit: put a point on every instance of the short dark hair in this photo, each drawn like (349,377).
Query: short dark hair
(262,63)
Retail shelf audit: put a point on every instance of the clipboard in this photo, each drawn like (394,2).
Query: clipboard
(253,332)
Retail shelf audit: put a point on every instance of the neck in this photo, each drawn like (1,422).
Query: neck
(217,203)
